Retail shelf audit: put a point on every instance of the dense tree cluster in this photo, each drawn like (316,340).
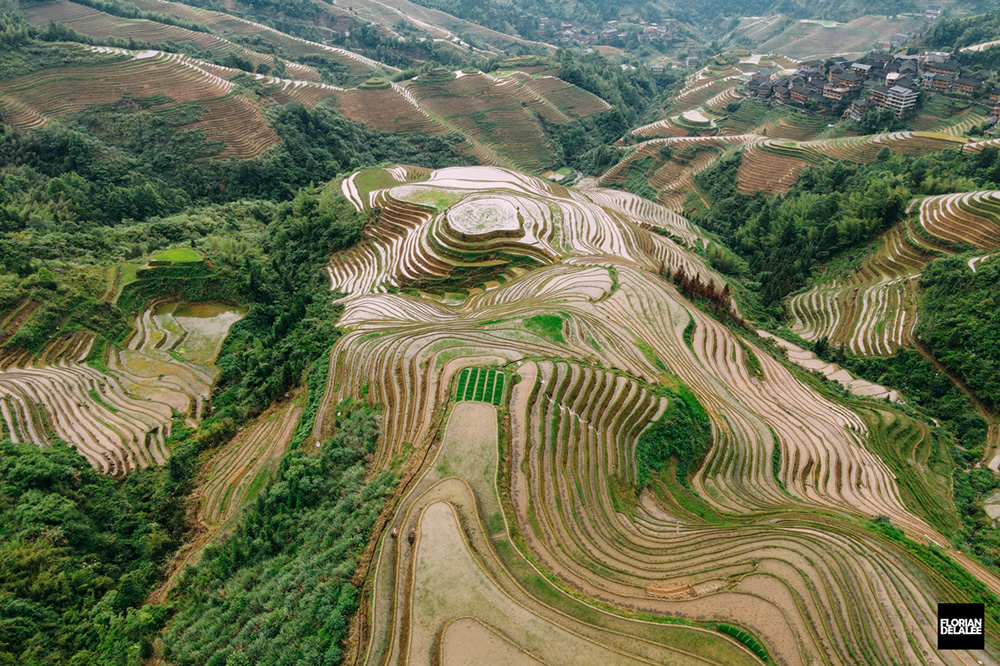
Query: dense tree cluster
(94,546)
(960,322)
(681,437)
(923,385)
(78,191)
(718,300)
(959,32)
(279,590)
(875,122)
(78,550)
(585,143)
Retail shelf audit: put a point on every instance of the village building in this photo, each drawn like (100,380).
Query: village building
(897,99)
(848,79)
(966,85)
(858,108)
(835,92)
(947,67)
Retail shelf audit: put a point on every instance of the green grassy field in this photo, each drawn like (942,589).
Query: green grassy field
(180,255)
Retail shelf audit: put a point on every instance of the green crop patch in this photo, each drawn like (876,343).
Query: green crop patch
(480,385)
(548,326)
(180,255)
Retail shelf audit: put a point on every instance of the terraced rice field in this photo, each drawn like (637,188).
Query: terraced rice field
(724,98)
(796,127)
(119,419)
(498,115)
(873,309)
(758,28)
(778,144)
(242,467)
(59,90)
(708,90)
(949,116)
(651,147)
(443,27)
(358,67)
(665,127)
(971,218)
(161,78)
(529,540)
(811,362)
(569,99)
(701,90)
(772,165)
(389,110)
(461,589)
(99,25)
(770,171)
(237,122)
(673,179)
(812,40)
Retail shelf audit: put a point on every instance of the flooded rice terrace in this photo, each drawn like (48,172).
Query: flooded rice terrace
(203,327)
(118,413)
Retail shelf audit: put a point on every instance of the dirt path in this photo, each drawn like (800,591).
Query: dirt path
(111,275)
(18,317)
(189,553)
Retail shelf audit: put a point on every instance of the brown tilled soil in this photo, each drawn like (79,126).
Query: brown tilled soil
(357,636)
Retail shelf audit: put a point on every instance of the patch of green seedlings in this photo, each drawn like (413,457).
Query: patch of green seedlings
(96,397)
(651,355)
(752,363)
(776,463)
(747,639)
(481,385)
(689,334)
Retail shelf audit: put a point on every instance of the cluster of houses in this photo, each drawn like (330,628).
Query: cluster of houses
(608,33)
(897,40)
(881,81)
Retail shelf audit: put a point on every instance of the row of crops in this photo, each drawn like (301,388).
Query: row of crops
(481,384)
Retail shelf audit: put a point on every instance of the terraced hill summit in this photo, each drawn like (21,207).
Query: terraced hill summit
(598,346)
